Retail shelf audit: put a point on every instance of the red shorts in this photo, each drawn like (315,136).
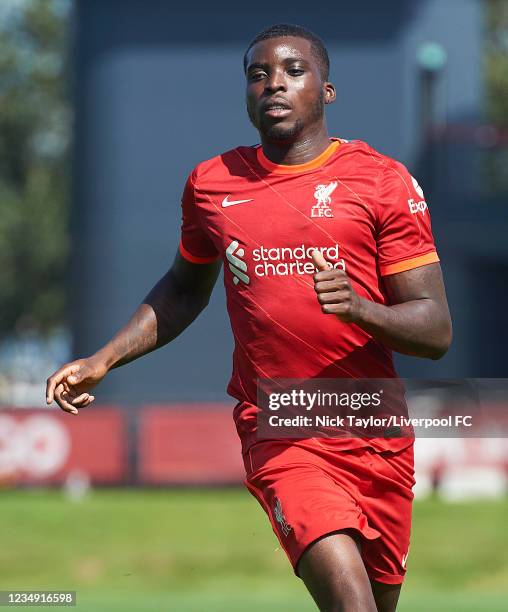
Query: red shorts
(309,489)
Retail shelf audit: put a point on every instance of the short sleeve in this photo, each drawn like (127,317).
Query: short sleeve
(404,233)
(195,244)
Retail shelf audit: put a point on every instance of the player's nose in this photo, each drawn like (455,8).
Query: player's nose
(275,82)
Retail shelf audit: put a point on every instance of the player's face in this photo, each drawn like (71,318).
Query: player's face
(285,90)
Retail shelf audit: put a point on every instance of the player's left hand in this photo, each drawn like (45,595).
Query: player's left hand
(334,291)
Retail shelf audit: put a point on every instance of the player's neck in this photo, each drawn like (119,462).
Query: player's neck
(306,148)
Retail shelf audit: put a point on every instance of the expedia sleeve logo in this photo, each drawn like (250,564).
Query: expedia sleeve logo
(414,205)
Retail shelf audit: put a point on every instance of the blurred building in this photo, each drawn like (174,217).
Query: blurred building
(160,87)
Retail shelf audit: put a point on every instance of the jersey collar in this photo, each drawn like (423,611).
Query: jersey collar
(313,164)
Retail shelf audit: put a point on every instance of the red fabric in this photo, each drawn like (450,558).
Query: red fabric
(361,208)
(401,234)
(311,488)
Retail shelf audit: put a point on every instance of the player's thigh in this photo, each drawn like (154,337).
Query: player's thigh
(386,595)
(334,574)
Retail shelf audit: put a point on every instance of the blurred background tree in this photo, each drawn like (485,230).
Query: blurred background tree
(35,125)
(497,62)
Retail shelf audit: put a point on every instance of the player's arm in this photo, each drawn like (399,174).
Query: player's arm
(415,322)
(173,303)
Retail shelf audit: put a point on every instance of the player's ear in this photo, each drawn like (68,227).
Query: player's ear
(330,93)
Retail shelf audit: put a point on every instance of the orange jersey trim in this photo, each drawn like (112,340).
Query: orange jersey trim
(297,168)
(193,259)
(409,264)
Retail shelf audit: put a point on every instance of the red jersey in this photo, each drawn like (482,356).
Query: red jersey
(361,209)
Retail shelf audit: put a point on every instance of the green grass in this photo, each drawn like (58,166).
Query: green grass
(213,550)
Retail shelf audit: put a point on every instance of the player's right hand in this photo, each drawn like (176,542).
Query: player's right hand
(70,386)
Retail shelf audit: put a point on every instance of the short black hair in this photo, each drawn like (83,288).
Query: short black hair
(288,29)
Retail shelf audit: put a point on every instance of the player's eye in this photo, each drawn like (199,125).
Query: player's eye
(296,71)
(256,76)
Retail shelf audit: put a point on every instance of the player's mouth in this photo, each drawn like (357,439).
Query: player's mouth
(276,108)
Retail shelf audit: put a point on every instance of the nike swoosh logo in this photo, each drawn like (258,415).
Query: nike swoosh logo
(226,202)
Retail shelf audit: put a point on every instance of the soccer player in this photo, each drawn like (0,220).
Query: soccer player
(329,265)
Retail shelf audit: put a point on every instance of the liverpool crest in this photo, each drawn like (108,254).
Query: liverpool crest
(323,195)
(280,518)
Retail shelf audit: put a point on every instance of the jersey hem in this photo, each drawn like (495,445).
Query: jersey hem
(386,578)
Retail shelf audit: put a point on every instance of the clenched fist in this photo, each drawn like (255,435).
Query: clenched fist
(334,291)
